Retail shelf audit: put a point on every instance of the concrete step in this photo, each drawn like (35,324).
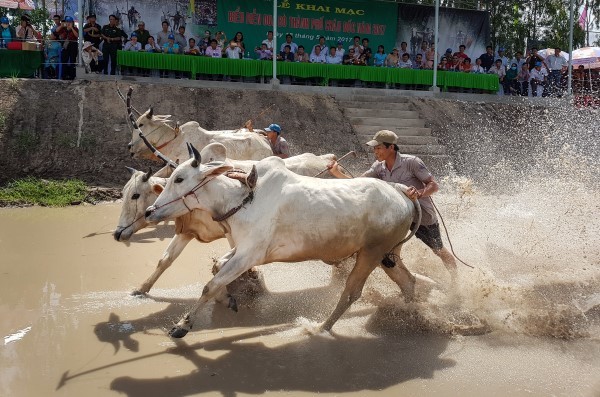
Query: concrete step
(376,98)
(381,113)
(375,105)
(400,131)
(405,140)
(418,150)
(388,123)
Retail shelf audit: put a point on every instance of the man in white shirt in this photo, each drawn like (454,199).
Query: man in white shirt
(339,51)
(537,79)
(321,43)
(477,68)
(318,56)
(233,51)
(499,70)
(555,64)
(269,41)
(358,49)
(405,62)
(518,59)
(333,57)
(502,57)
(288,41)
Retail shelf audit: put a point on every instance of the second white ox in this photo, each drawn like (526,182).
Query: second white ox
(242,144)
(142,189)
(278,216)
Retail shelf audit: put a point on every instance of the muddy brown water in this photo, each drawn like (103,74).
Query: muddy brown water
(525,323)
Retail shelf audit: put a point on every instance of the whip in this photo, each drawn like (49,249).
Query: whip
(353,153)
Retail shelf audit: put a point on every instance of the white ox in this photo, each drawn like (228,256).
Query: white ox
(292,218)
(142,189)
(241,144)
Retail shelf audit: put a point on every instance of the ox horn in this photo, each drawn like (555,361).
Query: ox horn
(195,154)
(252,178)
(150,113)
(131,170)
(147,175)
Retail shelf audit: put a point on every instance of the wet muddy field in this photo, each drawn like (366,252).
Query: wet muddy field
(526,321)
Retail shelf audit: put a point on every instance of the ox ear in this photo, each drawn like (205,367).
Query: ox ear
(157,189)
(147,175)
(150,113)
(252,178)
(131,170)
(194,154)
(214,152)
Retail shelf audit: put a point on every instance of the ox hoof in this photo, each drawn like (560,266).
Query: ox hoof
(137,292)
(177,332)
(232,304)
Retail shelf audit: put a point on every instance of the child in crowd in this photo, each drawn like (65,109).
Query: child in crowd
(52,55)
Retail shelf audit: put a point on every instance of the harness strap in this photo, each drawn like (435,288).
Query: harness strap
(232,211)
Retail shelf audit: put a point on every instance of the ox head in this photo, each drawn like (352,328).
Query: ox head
(188,188)
(141,190)
(155,128)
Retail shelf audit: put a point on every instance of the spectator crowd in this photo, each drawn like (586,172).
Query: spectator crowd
(528,74)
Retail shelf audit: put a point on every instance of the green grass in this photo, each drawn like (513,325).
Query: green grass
(43,192)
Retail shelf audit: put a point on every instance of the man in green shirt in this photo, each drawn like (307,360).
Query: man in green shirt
(142,34)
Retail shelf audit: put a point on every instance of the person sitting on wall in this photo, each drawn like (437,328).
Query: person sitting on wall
(392,60)
(152,45)
(523,80)
(192,48)
(90,56)
(499,70)
(288,41)
(171,47)
(213,50)
(263,52)
(510,82)
(477,68)
(286,55)
(301,55)
(418,62)
(379,57)
(318,56)
(405,62)
(349,57)
(465,65)
(133,44)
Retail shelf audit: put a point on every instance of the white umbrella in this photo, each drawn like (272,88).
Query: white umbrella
(550,51)
(587,56)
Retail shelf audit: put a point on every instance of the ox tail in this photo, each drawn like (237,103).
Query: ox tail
(389,259)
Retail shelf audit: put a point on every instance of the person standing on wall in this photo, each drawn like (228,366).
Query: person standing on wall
(113,41)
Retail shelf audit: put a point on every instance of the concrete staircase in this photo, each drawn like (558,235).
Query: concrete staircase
(371,113)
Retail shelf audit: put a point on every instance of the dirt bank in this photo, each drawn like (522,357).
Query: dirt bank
(55,129)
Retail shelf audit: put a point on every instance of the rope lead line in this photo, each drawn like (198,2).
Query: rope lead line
(448,236)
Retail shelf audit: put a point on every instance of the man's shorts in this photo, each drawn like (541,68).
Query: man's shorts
(430,235)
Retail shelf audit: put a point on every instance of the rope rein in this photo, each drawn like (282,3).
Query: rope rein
(448,236)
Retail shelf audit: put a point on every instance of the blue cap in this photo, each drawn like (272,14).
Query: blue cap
(68,19)
(449,50)
(4,20)
(538,63)
(171,37)
(274,127)
(133,34)
(501,49)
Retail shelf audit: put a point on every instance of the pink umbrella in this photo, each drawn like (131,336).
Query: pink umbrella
(22,4)
(589,57)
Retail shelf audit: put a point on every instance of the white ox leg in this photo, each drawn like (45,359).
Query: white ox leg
(402,276)
(230,270)
(172,252)
(365,263)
